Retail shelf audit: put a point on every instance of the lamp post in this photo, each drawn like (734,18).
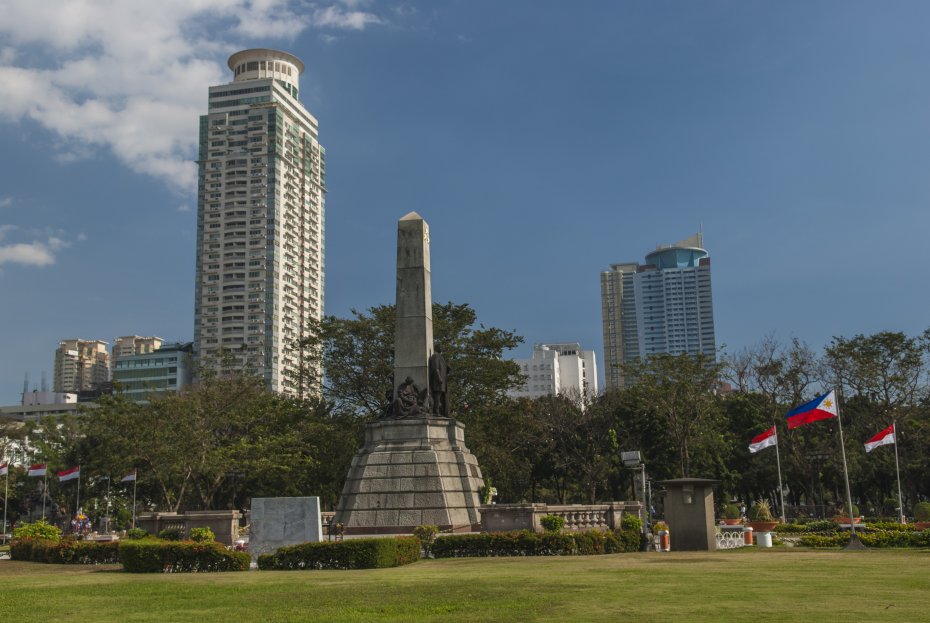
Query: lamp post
(633,460)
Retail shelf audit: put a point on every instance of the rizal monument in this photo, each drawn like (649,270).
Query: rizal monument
(414,468)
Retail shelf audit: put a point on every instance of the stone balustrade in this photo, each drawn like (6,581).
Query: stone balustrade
(578,517)
(224,524)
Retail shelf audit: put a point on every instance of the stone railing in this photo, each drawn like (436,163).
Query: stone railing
(225,524)
(578,517)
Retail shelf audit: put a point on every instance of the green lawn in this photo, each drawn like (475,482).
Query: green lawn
(758,585)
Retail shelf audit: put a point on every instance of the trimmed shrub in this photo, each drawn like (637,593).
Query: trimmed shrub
(552,523)
(66,551)
(730,511)
(156,556)
(40,529)
(526,543)
(629,541)
(631,522)
(790,528)
(134,534)
(202,535)
(821,526)
(876,538)
(922,511)
(170,534)
(353,554)
(823,540)
(427,534)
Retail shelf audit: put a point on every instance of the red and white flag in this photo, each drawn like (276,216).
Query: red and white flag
(881,439)
(129,477)
(36,470)
(69,474)
(4,469)
(766,439)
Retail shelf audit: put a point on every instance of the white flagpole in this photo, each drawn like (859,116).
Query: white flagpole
(108,504)
(852,520)
(134,481)
(6,495)
(897,469)
(781,489)
(77,504)
(45,493)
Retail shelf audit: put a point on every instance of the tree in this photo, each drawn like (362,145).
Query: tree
(679,393)
(357,356)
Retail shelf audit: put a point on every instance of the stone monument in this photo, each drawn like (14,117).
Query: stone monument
(414,468)
(277,522)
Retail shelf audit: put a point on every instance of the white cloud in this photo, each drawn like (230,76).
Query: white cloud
(334,16)
(36,253)
(119,76)
(6,202)
(184,208)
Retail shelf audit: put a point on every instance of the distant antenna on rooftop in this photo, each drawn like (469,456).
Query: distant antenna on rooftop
(25,386)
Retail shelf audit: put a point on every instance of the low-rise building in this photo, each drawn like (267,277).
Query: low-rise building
(166,370)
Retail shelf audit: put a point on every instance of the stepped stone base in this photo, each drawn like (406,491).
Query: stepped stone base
(411,472)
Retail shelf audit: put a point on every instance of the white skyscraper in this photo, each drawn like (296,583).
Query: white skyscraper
(260,219)
(662,306)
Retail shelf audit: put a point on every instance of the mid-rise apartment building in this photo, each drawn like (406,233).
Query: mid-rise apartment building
(81,365)
(558,368)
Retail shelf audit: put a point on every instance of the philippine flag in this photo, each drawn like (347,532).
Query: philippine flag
(36,470)
(4,469)
(820,408)
(129,477)
(69,474)
(881,439)
(766,439)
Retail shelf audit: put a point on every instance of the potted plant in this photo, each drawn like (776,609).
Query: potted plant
(842,517)
(922,515)
(731,515)
(760,517)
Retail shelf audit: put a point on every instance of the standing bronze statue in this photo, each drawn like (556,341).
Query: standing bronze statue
(438,381)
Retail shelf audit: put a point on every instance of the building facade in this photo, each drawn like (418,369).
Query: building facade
(260,220)
(166,370)
(81,365)
(558,369)
(661,306)
(133,345)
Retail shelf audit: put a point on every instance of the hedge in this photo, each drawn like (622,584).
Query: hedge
(154,556)
(352,554)
(526,543)
(66,551)
(874,538)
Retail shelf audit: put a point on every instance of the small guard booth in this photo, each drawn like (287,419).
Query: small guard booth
(689,513)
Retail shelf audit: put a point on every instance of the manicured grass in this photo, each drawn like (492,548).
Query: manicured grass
(759,585)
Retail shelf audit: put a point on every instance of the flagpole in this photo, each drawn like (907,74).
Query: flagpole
(854,538)
(781,489)
(6,495)
(897,469)
(77,504)
(134,481)
(45,492)
(108,503)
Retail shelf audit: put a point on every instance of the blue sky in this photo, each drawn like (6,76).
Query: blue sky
(542,141)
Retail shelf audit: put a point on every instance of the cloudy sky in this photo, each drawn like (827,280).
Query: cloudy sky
(542,140)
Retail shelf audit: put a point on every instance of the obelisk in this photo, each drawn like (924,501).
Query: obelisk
(414,468)
(413,337)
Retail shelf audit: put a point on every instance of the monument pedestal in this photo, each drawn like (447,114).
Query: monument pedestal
(411,472)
